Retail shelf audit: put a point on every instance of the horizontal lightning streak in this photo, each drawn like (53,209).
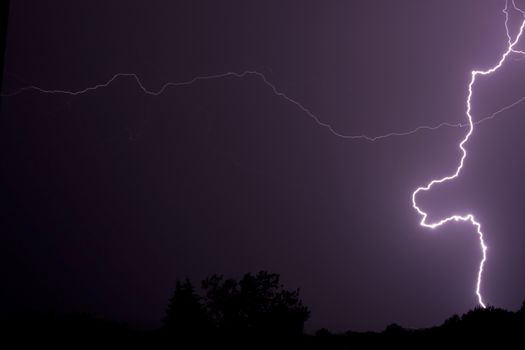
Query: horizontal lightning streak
(274,89)
(469,124)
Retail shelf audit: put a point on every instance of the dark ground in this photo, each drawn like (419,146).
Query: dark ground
(478,325)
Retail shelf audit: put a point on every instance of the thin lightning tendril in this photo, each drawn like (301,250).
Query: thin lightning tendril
(470,217)
(469,124)
(273,88)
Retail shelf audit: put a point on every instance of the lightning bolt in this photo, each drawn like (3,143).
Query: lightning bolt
(470,217)
(135,77)
(244,74)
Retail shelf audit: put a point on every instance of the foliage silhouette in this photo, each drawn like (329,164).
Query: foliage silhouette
(186,315)
(253,312)
(256,306)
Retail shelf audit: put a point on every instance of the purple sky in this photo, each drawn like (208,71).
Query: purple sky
(110,196)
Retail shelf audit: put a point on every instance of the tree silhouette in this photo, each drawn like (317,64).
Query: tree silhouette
(521,311)
(185,314)
(257,305)
(223,303)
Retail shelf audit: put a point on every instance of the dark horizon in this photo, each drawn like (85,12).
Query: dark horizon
(110,196)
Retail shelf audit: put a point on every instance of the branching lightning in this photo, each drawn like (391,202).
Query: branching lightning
(273,88)
(470,217)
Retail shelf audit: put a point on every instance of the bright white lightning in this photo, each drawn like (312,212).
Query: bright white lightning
(470,217)
(469,124)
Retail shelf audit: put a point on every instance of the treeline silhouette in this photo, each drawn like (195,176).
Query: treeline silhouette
(256,306)
(254,312)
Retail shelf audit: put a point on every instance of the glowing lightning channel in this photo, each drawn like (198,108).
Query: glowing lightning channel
(470,217)
(470,123)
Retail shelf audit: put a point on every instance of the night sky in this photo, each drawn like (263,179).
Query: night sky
(110,196)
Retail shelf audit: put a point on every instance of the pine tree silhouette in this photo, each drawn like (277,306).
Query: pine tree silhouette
(186,315)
